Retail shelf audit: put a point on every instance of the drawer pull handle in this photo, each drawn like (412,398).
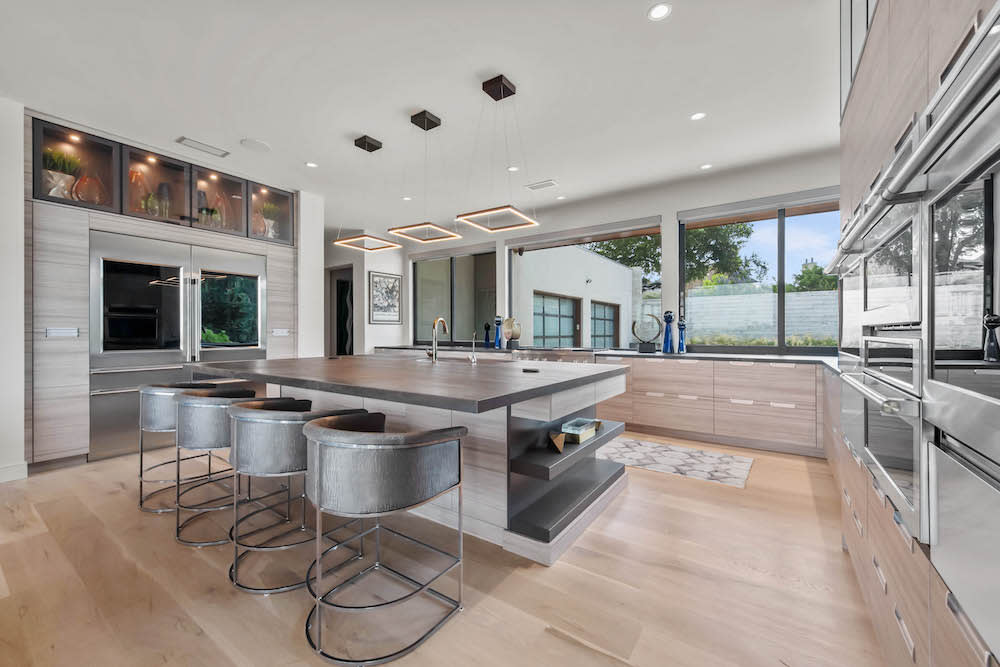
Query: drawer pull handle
(655,394)
(781,365)
(688,361)
(109,392)
(741,401)
(965,625)
(613,358)
(62,332)
(857,523)
(847,498)
(911,649)
(741,363)
(897,518)
(881,577)
(688,397)
(791,406)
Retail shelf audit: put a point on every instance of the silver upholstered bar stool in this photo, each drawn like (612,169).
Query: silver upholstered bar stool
(357,470)
(267,441)
(203,426)
(158,414)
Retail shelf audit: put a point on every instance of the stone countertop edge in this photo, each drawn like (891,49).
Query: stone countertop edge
(474,406)
(830,362)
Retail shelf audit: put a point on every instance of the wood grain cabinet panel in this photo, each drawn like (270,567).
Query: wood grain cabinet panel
(61,397)
(679,412)
(766,420)
(60,267)
(954,640)
(692,376)
(951,22)
(766,382)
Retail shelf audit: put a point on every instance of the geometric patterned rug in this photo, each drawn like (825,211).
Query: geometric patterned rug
(676,460)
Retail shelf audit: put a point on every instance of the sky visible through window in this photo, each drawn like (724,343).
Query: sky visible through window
(814,237)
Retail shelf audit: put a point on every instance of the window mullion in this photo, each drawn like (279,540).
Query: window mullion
(781,280)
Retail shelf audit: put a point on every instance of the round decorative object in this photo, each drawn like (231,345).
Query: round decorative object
(648,346)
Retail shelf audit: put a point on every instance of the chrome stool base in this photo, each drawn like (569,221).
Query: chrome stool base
(203,509)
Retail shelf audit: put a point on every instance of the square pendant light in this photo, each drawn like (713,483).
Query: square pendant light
(497,219)
(425,232)
(367,243)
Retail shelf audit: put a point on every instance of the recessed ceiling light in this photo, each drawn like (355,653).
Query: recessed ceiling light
(311,165)
(512,168)
(150,159)
(407,198)
(561,197)
(255,145)
(658,12)
(698,116)
(705,167)
(214,177)
(74,138)
(263,191)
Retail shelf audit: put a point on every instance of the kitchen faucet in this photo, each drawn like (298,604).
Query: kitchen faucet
(434,337)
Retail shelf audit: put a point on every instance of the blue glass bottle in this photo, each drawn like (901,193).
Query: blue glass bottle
(668,332)
(681,328)
(498,321)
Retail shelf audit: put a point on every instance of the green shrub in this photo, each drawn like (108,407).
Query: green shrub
(209,336)
(269,210)
(64,163)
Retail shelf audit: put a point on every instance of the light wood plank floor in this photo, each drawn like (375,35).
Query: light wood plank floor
(675,572)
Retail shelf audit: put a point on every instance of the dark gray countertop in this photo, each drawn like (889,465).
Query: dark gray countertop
(452,384)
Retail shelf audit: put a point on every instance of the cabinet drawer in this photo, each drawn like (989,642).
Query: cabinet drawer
(766,420)
(691,376)
(681,412)
(954,640)
(907,571)
(617,409)
(766,381)
(860,553)
(619,361)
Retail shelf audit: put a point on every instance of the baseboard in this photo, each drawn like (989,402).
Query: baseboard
(13,472)
(765,445)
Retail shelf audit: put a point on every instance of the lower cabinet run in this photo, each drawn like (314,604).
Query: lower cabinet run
(761,404)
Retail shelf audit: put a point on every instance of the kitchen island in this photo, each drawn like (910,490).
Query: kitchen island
(520,493)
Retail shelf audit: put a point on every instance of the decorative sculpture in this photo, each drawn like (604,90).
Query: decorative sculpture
(648,346)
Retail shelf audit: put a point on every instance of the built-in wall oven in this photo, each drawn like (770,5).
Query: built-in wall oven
(155,305)
(890,268)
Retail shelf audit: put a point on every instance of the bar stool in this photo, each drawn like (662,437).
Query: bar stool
(203,426)
(267,441)
(158,414)
(357,470)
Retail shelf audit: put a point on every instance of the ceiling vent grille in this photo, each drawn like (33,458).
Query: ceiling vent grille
(541,185)
(199,146)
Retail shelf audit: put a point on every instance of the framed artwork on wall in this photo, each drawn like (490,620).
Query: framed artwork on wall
(384,298)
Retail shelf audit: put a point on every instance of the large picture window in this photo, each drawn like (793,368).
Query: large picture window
(756,281)
(460,289)
(603,325)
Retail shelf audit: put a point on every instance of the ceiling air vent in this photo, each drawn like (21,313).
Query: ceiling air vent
(199,146)
(541,185)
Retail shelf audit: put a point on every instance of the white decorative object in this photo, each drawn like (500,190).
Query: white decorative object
(57,184)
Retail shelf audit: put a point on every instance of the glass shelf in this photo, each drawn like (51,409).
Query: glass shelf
(271,217)
(73,167)
(156,187)
(219,202)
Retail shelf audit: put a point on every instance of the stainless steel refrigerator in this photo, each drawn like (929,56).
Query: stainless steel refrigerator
(155,306)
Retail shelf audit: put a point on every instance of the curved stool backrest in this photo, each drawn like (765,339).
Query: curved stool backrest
(203,416)
(158,406)
(268,438)
(357,469)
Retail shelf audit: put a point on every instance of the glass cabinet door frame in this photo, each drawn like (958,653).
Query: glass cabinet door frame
(238,263)
(185,198)
(244,208)
(250,187)
(37,133)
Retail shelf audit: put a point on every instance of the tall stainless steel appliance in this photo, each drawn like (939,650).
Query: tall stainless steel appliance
(154,306)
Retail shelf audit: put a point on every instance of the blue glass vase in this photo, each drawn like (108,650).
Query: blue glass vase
(681,329)
(668,332)
(497,322)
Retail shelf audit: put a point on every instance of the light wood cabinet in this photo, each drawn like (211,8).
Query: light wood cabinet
(767,382)
(954,640)
(951,24)
(60,343)
(281,303)
(679,412)
(618,408)
(790,423)
(692,376)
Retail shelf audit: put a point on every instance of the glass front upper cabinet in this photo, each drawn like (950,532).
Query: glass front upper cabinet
(156,187)
(72,167)
(219,202)
(271,215)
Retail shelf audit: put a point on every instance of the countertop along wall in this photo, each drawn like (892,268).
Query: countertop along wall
(12,334)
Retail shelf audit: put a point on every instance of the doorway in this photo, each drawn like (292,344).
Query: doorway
(341,312)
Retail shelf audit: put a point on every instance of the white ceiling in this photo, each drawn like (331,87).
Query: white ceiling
(603,95)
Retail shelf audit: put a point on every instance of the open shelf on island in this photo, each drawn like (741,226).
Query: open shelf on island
(570,495)
(546,463)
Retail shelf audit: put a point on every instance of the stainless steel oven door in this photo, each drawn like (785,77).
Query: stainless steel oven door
(966,532)
(894,448)
(893,360)
(890,269)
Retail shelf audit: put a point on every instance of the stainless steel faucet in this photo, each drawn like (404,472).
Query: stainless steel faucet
(434,337)
(472,355)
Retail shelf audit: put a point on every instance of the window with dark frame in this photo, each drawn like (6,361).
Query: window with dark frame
(556,320)
(754,282)
(603,325)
